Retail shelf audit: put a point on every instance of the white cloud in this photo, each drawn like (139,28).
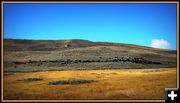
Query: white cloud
(160,43)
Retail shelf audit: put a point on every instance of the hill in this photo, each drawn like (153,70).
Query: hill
(42,45)
(38,55)
(49,45)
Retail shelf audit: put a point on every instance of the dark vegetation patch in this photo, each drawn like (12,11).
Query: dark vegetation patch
(138,60)
(72,82)
(30,79)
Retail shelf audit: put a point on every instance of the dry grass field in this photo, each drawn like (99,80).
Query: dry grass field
(110,84)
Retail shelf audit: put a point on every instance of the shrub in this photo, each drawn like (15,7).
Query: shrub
(73,82)
(30,79)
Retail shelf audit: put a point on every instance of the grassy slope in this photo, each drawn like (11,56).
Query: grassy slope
(25,50)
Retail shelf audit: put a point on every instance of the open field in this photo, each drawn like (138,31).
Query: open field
(109,84)
(48,69)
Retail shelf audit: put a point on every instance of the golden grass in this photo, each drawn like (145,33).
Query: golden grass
(112,84)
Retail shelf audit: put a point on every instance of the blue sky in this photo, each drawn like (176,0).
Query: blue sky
(142,24)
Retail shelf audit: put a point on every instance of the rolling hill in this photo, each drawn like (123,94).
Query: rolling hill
(39,55)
